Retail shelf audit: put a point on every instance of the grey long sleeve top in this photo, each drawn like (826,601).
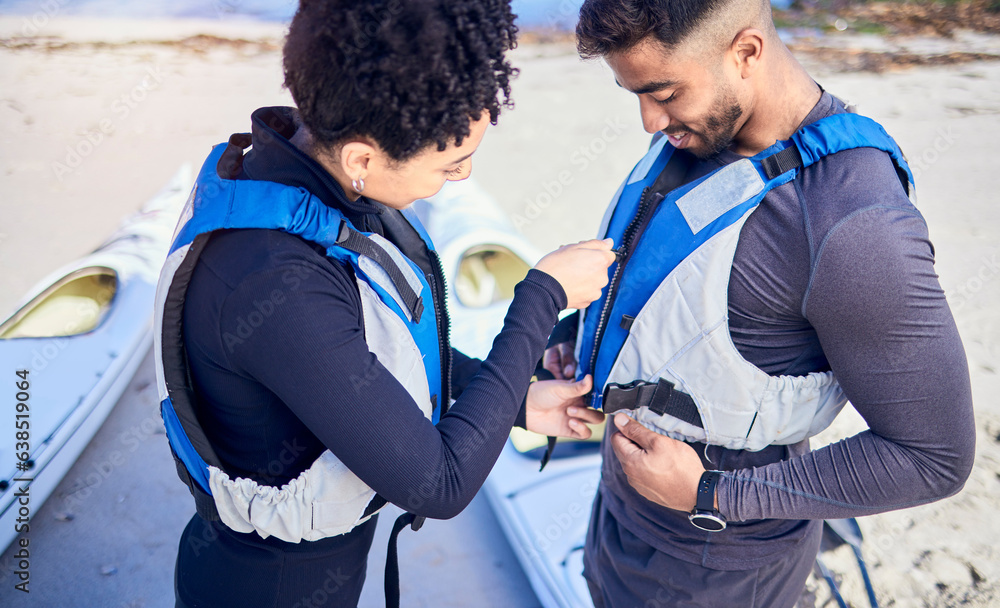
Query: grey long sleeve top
(834,270)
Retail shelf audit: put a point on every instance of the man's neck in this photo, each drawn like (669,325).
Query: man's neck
(783,100)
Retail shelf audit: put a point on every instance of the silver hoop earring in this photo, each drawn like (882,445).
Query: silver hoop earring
(358,184)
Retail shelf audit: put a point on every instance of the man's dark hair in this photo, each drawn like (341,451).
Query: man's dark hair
(406,73)
(607,27)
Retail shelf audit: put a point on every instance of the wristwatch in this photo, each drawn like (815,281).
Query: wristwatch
(705,516)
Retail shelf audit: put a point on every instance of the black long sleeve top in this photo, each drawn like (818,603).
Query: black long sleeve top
(275,337)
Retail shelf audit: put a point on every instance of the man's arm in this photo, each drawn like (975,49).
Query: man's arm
(890,338)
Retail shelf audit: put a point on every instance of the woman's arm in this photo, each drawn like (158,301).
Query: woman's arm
(463,369)
(311,353)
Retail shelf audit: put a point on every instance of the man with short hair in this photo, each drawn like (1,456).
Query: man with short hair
(771,267)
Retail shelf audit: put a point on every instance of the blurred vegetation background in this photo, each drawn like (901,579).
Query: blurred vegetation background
(890,17)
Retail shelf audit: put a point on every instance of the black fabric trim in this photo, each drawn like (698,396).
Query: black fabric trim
(376,503)
(204,504)
(782,162)
(521,421)
(177,377)
(352,240)
(672,176)
(176,374)
(230,165)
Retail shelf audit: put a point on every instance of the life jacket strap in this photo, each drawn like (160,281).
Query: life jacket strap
(352,240)
(782,162)
(392,556)
(549,450)
(661,398)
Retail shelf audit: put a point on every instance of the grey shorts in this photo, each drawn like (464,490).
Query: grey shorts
(623,571)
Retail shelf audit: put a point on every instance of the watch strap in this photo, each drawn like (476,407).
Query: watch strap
(705,500)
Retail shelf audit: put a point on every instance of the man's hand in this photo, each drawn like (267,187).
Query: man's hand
(556,408)
(664,470)
(560,361)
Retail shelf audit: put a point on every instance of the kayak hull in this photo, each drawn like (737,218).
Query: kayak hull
(78,342)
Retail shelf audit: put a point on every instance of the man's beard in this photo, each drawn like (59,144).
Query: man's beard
(720,127)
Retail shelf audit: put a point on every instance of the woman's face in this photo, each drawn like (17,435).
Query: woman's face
(398,185)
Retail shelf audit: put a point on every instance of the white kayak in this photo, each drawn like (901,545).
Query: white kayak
(543,515)
(73,343)
(483,259)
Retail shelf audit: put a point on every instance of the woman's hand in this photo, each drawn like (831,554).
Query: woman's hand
(581,269)
(556,408)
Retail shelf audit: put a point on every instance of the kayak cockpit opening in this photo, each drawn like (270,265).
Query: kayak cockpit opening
(487,274)
(533,445)
(75,304)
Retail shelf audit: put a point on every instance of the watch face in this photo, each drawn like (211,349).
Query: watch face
(707,521)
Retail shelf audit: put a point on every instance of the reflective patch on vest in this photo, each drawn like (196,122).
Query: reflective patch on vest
(642,169)
(727,188)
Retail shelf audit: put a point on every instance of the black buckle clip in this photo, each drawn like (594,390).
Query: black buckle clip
(624,397)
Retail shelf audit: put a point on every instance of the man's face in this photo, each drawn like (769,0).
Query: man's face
(686,96)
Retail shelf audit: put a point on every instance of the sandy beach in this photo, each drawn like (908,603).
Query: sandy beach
(95,115)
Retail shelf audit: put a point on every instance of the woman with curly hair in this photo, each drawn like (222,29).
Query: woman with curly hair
(302,339)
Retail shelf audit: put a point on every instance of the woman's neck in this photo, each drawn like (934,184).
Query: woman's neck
(303,140)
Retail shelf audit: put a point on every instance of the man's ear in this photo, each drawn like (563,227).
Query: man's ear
(747,49)
(355,157)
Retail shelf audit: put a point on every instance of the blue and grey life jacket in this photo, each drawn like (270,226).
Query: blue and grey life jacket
(403,317)
(658,341)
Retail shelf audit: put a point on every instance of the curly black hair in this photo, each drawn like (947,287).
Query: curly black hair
(406,73)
